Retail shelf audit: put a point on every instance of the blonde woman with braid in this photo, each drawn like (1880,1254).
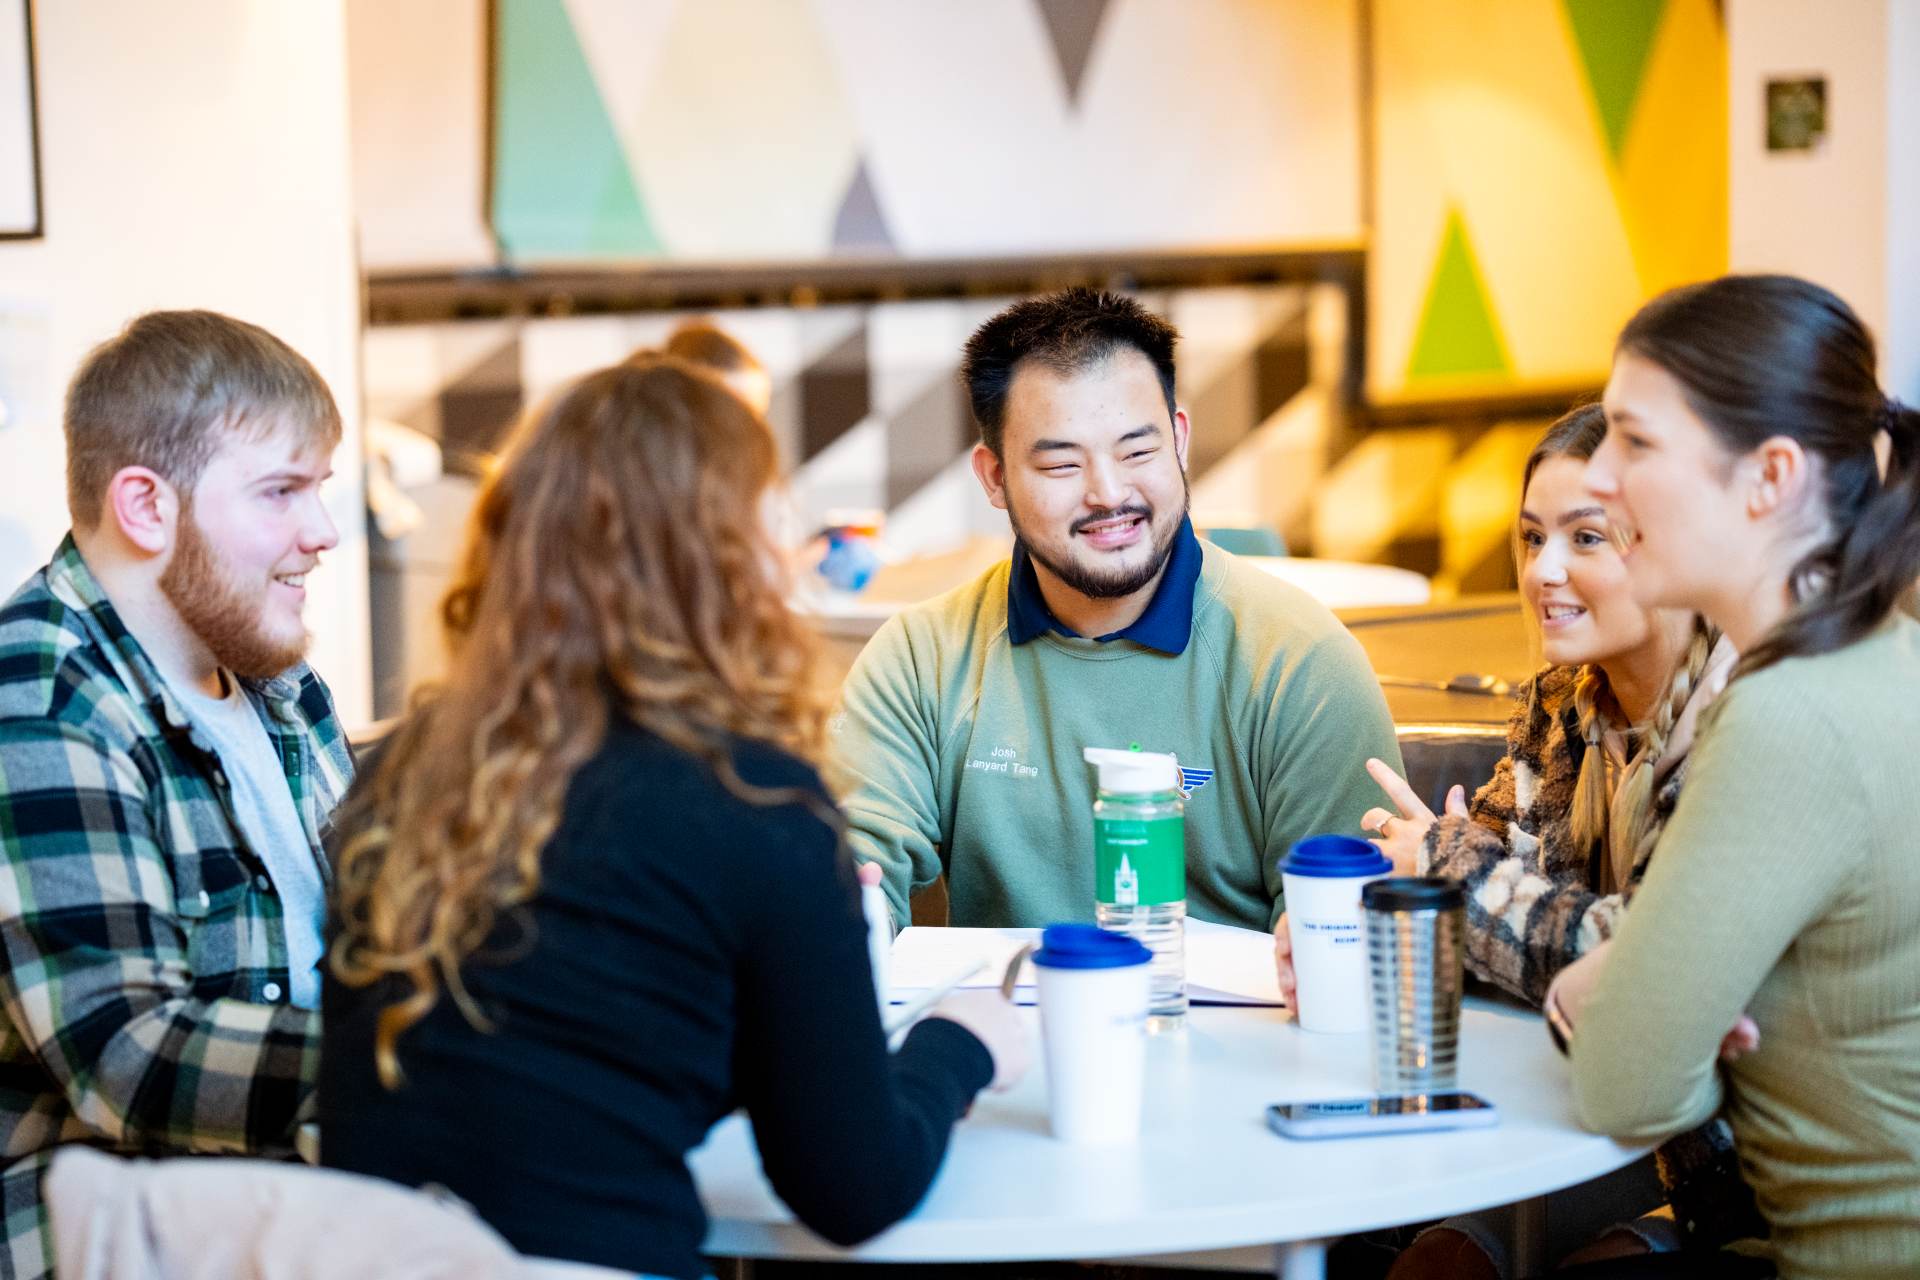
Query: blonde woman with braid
(1552,847)
(592,897)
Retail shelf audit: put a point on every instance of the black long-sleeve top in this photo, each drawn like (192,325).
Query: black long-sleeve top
(688,953)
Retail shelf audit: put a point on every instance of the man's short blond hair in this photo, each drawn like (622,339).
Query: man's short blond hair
(166,390)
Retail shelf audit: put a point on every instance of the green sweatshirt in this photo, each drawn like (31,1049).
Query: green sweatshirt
(962,751)
(1787,885)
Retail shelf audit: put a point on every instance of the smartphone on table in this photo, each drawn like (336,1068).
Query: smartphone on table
(1358,1117)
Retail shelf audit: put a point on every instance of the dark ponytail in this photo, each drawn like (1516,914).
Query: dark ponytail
(1764,356)
(1874,560)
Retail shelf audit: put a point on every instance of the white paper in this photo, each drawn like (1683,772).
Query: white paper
(1225,965)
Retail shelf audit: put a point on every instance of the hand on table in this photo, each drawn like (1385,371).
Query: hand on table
(1283,964)
(1401,835)
(1743,1039)
(1574,987)
(997,1025)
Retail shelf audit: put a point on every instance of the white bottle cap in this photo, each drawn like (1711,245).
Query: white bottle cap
(1134,772)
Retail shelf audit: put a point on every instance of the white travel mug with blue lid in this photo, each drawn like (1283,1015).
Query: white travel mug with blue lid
(1322,877)
(1094,988)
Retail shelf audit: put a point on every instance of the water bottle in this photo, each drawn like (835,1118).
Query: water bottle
(1140,868)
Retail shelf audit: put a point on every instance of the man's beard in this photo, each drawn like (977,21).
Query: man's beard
(1094,583)
(226,617)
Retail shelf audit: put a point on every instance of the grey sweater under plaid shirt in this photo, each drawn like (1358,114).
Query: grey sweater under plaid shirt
(145,977)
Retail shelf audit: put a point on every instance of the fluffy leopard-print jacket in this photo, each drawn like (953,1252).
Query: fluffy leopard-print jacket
(1532,909)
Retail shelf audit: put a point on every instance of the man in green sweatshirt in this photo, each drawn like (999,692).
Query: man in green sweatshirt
(961,726)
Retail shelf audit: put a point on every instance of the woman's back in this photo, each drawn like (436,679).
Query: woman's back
(688,952)
(1799,809)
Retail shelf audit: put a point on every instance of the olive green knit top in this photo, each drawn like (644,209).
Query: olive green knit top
(1787,885)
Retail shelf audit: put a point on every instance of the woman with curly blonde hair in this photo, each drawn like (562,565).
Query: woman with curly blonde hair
(591,898)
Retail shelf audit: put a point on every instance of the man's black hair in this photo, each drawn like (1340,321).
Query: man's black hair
(1065,332)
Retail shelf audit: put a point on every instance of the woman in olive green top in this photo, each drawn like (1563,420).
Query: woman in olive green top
(1766,481)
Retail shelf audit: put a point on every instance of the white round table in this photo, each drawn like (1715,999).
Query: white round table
(1347,584)
(1207,1173)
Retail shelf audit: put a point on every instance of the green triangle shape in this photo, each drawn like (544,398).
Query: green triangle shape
(561,185)
(1457,332)
(1614,38)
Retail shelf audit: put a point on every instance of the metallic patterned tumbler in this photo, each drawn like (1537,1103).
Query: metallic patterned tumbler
(1416,940)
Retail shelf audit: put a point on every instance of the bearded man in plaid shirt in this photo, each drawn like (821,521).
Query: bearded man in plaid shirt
(167,766)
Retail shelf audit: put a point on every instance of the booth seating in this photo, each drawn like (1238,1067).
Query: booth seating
(1246,540)
(1448,672)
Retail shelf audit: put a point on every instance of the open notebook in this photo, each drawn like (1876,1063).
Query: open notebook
(1225,965)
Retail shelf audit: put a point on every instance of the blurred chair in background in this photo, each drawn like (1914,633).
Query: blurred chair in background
(1246,540)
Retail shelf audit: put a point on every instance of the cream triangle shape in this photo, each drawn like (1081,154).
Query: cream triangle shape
(1120,170)
(623,41)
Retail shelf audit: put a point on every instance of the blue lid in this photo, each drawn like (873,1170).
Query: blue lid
(1335,858)
(1086,946)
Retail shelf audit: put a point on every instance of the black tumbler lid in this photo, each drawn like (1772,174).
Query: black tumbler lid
(1413,893)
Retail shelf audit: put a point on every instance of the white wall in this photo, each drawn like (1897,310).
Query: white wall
(194,154)
(1900,348)
(1846,215)
(416,74)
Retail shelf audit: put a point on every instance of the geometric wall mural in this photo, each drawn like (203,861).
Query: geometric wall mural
(799,130)
(1541,168)
(867,405)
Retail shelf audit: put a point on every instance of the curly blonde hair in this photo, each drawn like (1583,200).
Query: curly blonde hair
(616,565)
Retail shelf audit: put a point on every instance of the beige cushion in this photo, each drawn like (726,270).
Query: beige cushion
(215,1218)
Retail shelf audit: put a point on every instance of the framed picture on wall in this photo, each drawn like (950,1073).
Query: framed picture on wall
(19,125)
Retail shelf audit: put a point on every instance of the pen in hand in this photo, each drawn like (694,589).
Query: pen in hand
(899,1020)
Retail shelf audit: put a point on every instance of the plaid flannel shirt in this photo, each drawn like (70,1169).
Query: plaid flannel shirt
(145,984)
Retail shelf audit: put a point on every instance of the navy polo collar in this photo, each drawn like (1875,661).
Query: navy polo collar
(1166,625)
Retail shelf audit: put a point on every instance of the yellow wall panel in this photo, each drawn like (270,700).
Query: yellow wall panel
(1673,170)
(1488,98)
(1484,105)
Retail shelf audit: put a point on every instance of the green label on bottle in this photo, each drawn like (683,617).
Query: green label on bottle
(1139,863)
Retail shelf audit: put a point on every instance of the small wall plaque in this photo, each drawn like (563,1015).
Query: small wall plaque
(1796,114)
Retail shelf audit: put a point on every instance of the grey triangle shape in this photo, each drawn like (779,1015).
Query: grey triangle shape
(860,224)
(1072,26)
(836,394)
(479,406)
